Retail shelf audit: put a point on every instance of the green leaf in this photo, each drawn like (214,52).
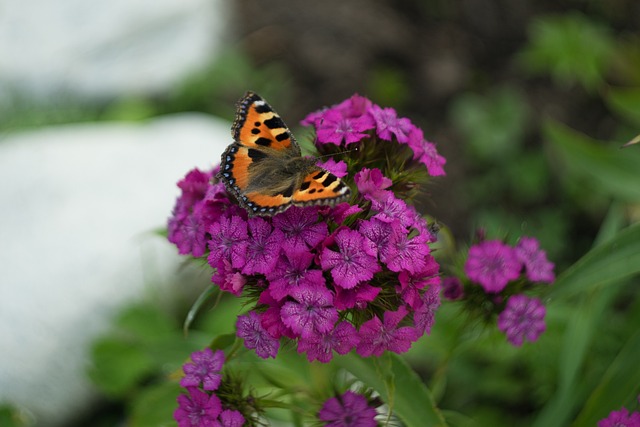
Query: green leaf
(146,322)
(608,263)
(154,406)
(626,102)
(398,385)
(613,171)
(493,125)
(569,47)
(195,308)
(619,385)
(118,366)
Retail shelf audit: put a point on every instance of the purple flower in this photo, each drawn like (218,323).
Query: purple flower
(228,241)
(535,261)
(426,153)
(347,410)
(355,106)
(357,297)
(339,169)
(340,212)
(320,346)
(292,271)
(354,261)
(388,124)
(425,314)
(522,318)
(371,182)
(377,336)
(262,248)
(198,409)
(231,418)
(621,418)
(408,254)
(333,127)
(228,278)
(310,312)
(452,288)
(205,369)
(270,318)
(411,284)
(377,233)
(194,186)
(187,230)
(299,229)
(255,336)
(492,264)
(389,208)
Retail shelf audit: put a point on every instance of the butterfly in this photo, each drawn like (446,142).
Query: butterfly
(264,168)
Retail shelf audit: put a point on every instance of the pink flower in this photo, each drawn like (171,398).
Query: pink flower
(492,264)
(522,318)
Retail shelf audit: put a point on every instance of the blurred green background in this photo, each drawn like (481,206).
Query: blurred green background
(528,101)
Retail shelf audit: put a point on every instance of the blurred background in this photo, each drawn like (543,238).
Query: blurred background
(104,106)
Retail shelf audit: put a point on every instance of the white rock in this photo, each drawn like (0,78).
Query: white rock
(105,48)
(76,204)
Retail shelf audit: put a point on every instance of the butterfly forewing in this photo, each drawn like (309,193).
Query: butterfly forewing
(257,125)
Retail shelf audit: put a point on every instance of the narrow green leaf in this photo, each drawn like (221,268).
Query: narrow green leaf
(613,171)
(195,308)
(619,384)
(399,386)
(625,101)
(608,263)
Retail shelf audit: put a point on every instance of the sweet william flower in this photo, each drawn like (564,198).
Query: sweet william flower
(231,418)
(228,241)
(388,124)
(262,248)
(538,267)
(348,410)
(197,409)
(352,263)
(339,169)
(492,264)
(299,229)
(333,127)
(311,311)
(377,336)
(522,318)
(204,369)
(255,336)
(621,418)
(320,346)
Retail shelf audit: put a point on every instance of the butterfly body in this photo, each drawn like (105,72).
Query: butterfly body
(264,168)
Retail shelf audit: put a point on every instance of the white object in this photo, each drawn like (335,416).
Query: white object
(76,204)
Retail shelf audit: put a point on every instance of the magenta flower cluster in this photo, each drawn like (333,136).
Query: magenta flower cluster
(493,265)
(200,406)
(349,122)
(359,275)
(347,410)
(621,418)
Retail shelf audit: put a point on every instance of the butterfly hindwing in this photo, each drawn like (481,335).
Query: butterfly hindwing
(321,187)
(258,125)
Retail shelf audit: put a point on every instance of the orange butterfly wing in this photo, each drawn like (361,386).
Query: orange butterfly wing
(257,125)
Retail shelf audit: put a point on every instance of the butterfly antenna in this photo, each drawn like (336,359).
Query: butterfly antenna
(339,152)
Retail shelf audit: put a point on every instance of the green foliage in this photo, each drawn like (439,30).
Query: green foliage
(11,417)
(571,48)
(398,386)
(494,125)
(609,170)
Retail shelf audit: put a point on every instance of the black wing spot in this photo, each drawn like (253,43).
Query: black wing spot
(274,122)
(318,175)
(264,108)
(305,186)
(257,124)
(256,155)
(330,179)
(282,136)
(265,142)
(255,131)
(288,192)
(313,190)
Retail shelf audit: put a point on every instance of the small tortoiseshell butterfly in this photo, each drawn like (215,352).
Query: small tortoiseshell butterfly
(264,167)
